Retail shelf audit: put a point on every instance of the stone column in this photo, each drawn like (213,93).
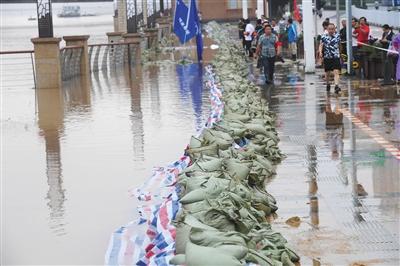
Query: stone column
(47,63)
(83,41)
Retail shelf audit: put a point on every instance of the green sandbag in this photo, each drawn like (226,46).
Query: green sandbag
(192,183)
(205,256)
(205,166)
(286,260)
(236,169)
(182,237)
(194,196)
(209,189)
(239,252)
(195,223)
(260,259)
(242,118)
(179,259)
(223,135)
(217,219)
(292,255)
(198,206)
(266,163)
(204,150)
(260,149)
(195,143)
(256,128)
(212,239)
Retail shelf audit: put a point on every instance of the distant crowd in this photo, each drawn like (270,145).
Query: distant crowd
(265,40)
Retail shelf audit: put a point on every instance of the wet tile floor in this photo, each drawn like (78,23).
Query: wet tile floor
(341,176)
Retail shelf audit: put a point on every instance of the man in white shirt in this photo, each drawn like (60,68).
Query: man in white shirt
(248,37)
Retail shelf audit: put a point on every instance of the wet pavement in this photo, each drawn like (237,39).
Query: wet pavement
(341,177)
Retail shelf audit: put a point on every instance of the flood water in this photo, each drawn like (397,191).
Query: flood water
(69,157)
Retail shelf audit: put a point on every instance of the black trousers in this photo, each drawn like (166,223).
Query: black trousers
(248,47)
(269,68)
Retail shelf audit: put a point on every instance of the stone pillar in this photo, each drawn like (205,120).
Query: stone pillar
(83,41)
(134,40)
(152,37)
(47,63)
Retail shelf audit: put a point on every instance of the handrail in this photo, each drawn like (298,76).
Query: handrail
(110,44)
(71,47)
(17,52)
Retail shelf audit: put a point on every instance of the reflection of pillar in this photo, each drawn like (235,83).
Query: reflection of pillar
(154,90)
(51,115)
(136,82)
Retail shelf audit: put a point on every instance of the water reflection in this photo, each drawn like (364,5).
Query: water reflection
(136,82)
(50,121)
(191,82)
(334,126)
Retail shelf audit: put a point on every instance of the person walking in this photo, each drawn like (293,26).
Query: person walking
(329,50)
(266,49)
(248,36)
(292,38)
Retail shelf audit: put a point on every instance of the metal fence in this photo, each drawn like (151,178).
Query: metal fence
(108,56)
(70,60)
(17,69)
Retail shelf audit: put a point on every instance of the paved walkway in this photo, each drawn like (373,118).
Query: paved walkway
(342,172)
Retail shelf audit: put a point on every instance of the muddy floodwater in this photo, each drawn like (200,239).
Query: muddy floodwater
(68,167)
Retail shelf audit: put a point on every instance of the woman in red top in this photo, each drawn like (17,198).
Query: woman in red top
(361,31)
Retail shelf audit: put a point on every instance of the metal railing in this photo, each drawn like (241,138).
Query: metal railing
(70,60)
(107,56)
(17,69)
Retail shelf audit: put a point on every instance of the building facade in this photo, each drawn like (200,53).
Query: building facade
(225,10)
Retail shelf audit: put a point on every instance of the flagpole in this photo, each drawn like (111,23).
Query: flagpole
(187,23)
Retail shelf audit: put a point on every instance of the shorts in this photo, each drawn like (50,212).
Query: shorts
(331,64)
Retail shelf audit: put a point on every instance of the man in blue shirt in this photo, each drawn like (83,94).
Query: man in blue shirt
(292,38)
(330,51)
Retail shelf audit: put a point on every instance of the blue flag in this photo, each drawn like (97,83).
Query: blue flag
(181,22)
(195,25)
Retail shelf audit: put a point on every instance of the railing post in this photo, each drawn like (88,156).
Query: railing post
(134,39)
(152,37)
(83,41)
(47,62)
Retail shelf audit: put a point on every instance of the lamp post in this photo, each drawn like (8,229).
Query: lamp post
(131,16)
(45,18)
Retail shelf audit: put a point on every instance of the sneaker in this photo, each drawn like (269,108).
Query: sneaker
(337,89)
(328,87)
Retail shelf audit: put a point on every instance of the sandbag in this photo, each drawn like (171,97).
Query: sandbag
(205,256)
